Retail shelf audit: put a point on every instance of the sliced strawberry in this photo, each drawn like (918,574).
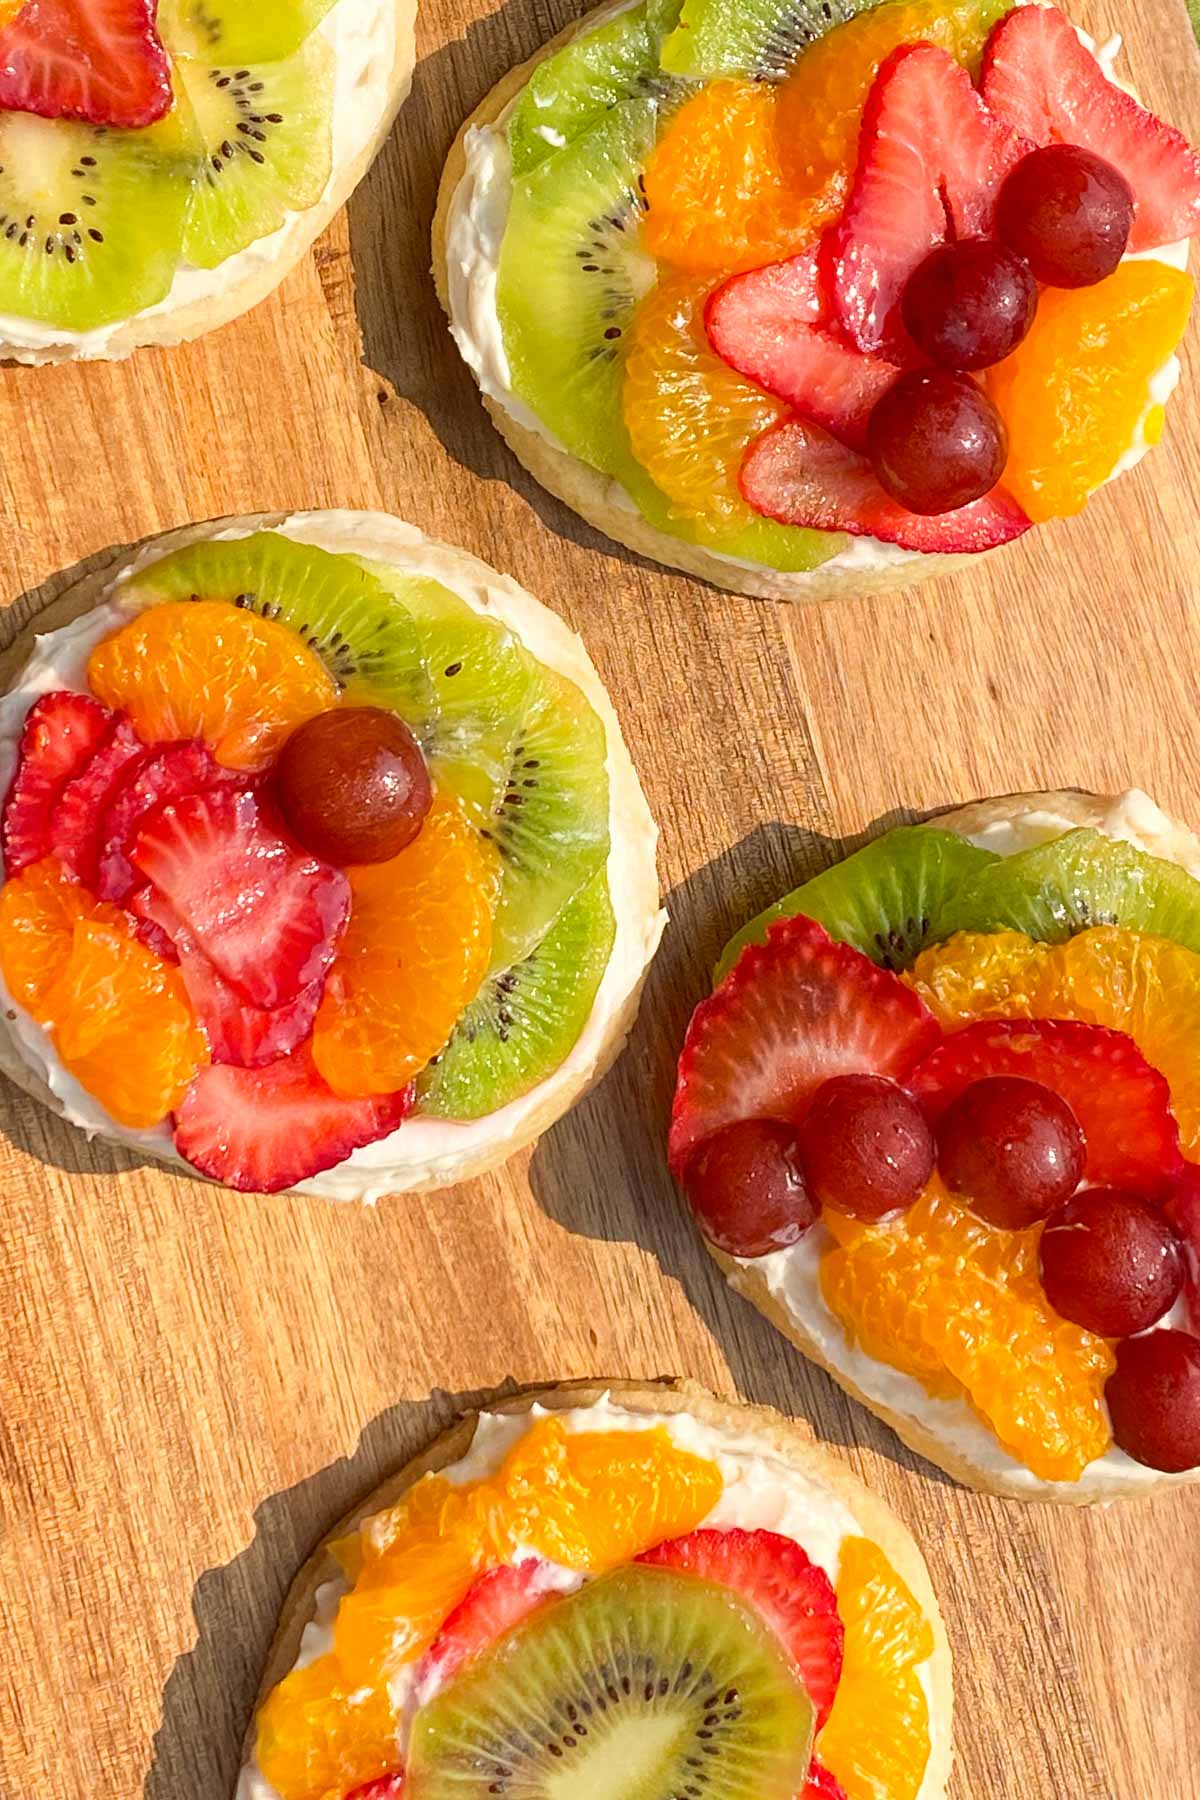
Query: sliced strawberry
(792,1011)
(78,817)
(822,1785)
(1042,80)
(169,771)
(1122,1104)
(790,1592)
(268,915)
(62,732)
(495,1603)
(265,1129)
(384,1787)
(99,60)
(1183,1210)
(797,473)
(930,163)
(765,325)
(237,1032)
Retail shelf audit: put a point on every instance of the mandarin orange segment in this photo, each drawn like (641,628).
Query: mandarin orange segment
(38,911)
(1075,393)
(715,186)
(123,1025)
(820,104)
(208,669)
(876,1740)
(948,1286)
(1148,987)
(319,1737)
(689,415)
(415,951)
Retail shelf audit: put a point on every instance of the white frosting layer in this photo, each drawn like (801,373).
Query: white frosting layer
(793,1274)
(422,1148)
(762,1492)
(362,34)
(478,215)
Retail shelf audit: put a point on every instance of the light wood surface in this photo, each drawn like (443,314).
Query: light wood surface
(193,1385)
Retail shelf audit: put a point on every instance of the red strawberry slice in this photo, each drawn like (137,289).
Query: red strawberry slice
(1122,1104)
(99,60)
(62,732)
(792,1011)
(265,1129)
(797,473)
(76,823)
(930,163)
(765,325)
(237,1032)
(168,772)
(1041,79)
(384,1787)
(268,915)
(495,1603)
(790,1592)
(822,1785)
(1183,1210)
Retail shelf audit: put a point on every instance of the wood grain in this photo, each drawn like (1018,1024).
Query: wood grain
(193,1386)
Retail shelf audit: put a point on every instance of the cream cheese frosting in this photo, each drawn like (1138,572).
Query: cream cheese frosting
(362,35)
(421,1149)
(475,231)
(761,1492)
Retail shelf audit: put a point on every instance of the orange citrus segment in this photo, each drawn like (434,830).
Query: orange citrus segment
(690,416)
(939,1283)
(589,1499)
(718,199)
(207,669)
(876,1740)
(415,950)
(1073,395)
(1148,987)
(38,911)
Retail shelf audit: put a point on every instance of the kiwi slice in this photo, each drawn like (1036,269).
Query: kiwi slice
(91,217)
(267,136)
(231,31)
(888,899)
(571,273)
(647,1684)
(366,638)
(572,89)
(526,1020)
(1072,883)
(750,37)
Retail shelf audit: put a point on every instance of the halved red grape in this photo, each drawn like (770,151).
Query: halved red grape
(865,1146)
(353,785)
(1011,1148)
(1154,1400)
(1068,213)
(969,304)
(1183,1210)
(747,1189)
(1110,1262)
(936,442)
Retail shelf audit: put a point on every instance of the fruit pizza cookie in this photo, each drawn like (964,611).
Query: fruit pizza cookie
(325,864)
(601,1592)
(808,297)
(164,163)
(940,1121)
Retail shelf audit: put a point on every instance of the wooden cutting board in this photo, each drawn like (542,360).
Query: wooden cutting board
(193,1386)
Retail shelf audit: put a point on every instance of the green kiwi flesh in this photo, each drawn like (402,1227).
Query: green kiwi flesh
(750,37)
(889,899)
(238,31)
(646,1684)
(91,218)
(525,1020)
(267,135)
(1072,883)
(569,91)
